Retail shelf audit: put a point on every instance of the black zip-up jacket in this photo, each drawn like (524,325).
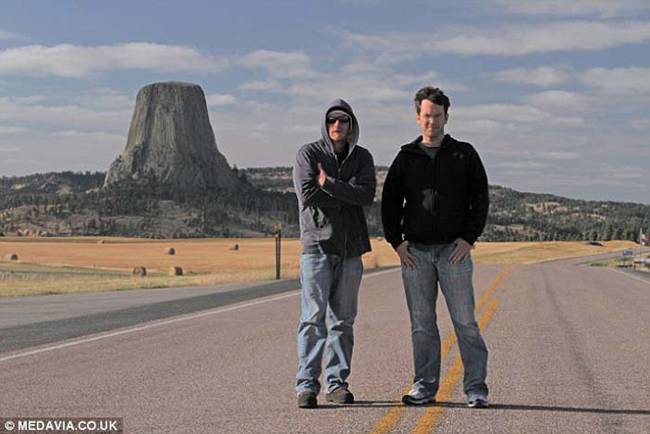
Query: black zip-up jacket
(332,220)
(435,201)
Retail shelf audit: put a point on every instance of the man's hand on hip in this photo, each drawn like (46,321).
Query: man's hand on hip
(405,256)
(461,251)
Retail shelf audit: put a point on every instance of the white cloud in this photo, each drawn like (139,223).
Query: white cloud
(10,36)
(512,40)
(559,155)
(104,98)
(522,165)
(69,115)
(279,64)
(621,81)
(360,2)
(428,79)
(558,99)
(92,135)
(12,130)
(259,85)
(68,60)
(218,99)
(350,88)
(9,149)
(640,124)
(511,113)
(603,8)
(542,76)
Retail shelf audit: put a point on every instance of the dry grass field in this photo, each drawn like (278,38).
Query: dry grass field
(91,264)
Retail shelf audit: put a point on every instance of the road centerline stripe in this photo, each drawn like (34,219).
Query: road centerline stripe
(431,416)
(392,416)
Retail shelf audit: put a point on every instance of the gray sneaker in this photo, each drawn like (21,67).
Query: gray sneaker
(477,400)
(307,399)
(418,398)
(340,395)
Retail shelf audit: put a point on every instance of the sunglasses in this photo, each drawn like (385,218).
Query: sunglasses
(341,119)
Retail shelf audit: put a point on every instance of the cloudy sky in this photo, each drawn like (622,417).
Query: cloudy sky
(555,95)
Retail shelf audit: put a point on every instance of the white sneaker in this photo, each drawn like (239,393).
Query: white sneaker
(418,398)
(477,400)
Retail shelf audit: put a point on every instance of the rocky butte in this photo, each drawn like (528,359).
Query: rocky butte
(170,137)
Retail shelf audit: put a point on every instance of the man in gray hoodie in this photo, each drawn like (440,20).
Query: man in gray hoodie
(333,179)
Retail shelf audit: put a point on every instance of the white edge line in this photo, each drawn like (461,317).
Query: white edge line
(169,321)
(631,276)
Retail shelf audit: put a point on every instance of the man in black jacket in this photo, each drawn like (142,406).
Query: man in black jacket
(434,207)
(334,179)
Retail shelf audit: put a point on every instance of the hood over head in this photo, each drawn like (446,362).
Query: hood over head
(353,135)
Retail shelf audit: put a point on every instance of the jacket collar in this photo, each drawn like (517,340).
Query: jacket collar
(414,146)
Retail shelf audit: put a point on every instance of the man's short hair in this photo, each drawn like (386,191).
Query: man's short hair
(432,94)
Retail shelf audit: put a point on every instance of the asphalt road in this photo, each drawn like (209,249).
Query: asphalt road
(568,343)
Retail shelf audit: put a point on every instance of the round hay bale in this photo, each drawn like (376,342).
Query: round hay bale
(139,271)
(170,251)
(235,247)
(175,271)
(100,242)
(11,257)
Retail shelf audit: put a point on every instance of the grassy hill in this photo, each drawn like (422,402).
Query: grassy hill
(68,203)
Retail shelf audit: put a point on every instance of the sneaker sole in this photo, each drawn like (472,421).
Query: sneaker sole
(339,401)
(478,404)
(308,405)
(309,402)
(407,400)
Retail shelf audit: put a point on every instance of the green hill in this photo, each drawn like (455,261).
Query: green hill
(68,203)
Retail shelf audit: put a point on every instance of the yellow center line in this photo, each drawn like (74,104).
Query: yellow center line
(431,416)
(503,273)
(392,416)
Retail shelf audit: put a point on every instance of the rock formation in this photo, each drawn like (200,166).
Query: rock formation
(171,138)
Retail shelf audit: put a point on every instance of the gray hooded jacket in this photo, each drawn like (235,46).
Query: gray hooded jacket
(332,220)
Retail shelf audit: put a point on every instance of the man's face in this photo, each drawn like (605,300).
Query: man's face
(338,127)
(432,120)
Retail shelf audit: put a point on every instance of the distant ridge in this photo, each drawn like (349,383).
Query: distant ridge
(68,203)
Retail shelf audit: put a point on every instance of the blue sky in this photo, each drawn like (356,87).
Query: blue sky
(554,95)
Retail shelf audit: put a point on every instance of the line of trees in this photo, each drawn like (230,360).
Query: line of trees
(90,209)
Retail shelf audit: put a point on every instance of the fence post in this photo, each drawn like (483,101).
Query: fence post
(278,252)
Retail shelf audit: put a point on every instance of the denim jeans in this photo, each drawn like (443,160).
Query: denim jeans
(330,287)
(432,267)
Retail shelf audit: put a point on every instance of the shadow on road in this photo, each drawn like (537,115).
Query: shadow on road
(493,406)
(497,406)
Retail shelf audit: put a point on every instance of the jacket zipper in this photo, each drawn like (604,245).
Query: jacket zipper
(345,229)
(435,189)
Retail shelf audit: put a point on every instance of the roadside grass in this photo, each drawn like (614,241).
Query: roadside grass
(620,262)
(536,252)
(83,264)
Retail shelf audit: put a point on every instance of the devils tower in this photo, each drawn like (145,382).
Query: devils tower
(171,138)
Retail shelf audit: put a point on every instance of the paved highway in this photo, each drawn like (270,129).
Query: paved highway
(569,352)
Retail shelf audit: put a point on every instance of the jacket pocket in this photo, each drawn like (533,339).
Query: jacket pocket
(320,218)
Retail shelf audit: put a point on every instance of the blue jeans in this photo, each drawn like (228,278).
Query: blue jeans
(330,287)
(432,267)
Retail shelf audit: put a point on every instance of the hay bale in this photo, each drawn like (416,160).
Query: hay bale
(100,242)
(170,251)
(235,247)
(139,271)
(175,271)
(11,257)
